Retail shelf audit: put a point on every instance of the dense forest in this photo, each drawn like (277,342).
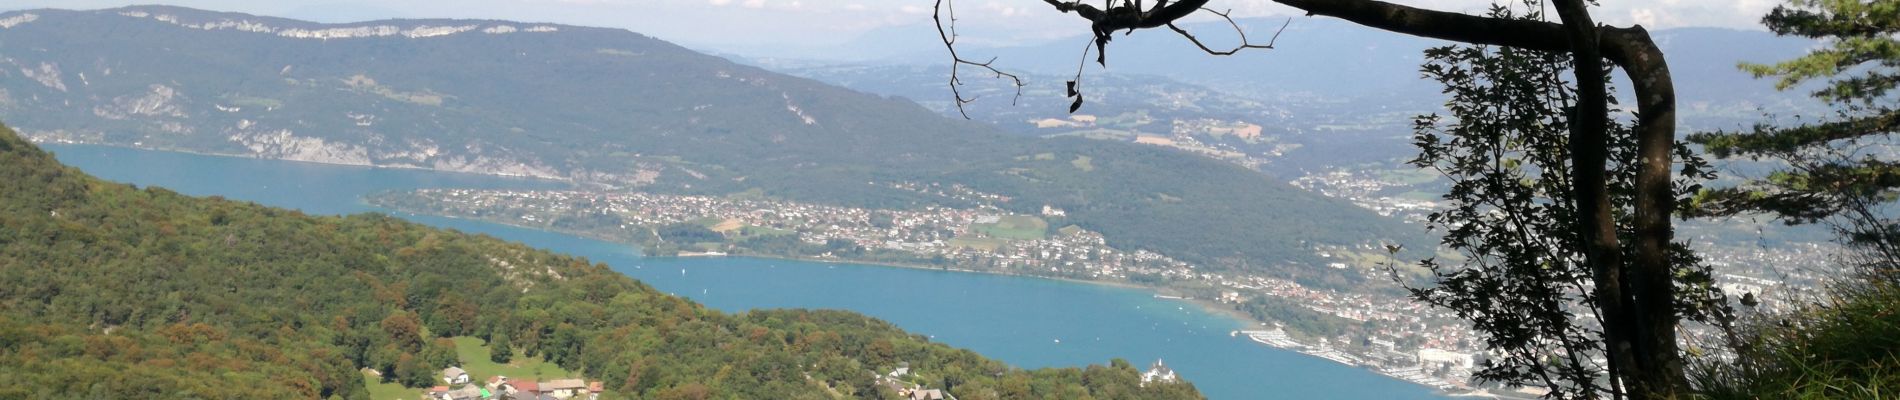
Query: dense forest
(115,291)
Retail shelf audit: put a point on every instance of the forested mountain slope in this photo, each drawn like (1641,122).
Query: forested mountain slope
(610,107)
(114,291)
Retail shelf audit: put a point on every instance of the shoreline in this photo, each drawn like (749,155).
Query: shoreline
(1242,319)
(885,264)
(1157,290)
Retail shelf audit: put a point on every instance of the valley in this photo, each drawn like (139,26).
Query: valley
(1016,318)
(1232,209)
(618,110)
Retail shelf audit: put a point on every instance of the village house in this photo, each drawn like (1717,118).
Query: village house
(563,388)
(454,376)
(903,369)
(468,392)
(926,394)
(519,386)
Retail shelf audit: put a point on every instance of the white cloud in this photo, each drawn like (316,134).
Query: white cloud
(719,2)
(999,9)
(1648,17)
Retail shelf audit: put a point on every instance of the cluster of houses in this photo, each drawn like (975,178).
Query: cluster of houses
(910,391)
(504,388)
(922,394)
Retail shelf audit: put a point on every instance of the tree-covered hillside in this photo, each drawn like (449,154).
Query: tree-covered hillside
(607,106)
(114,291)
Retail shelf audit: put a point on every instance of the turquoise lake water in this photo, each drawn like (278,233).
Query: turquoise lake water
(1027,322)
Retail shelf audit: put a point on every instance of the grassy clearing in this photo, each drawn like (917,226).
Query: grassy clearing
(1070,230)
(1129,120)
(474,355)
(388,391)
(727,225)
(1084,163)
(1017,227)
(734,230)
(708,222)
(755,231)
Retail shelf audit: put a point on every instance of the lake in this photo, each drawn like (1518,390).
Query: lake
(1027,322)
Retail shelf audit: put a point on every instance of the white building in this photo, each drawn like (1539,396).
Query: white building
(454,375)
(1158,373)
(1438,356)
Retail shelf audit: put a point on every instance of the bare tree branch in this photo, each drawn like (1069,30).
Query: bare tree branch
(1113,16)
(1129,15)
(1244,43)
(948,32)
(1452,26)
(1075,85)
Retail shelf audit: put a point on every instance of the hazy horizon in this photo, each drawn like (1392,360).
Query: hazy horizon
(754,24)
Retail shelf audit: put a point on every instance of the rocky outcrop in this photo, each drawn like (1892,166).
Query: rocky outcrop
(46,74)
(17,20)
(285,144)
(160,101)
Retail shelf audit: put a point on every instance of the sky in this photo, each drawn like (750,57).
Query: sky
(749,23)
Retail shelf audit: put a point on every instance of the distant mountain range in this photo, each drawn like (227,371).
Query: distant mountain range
(615,108)
(1326,59)
(1356,87)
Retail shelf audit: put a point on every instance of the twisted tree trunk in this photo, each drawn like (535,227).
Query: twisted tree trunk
(1650,282)
(1596,225)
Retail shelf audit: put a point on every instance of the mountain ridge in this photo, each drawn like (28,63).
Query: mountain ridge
(222,20)
(611,107)
(1339,59)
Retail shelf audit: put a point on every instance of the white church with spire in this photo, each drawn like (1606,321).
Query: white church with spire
(1158,373)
